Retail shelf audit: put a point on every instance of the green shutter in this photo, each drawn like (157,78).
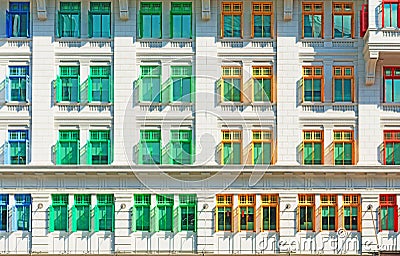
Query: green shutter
(154,220)
(96,226)
(59,24)
(90,88)
(58,89)
(51,219)
(74,219)
(111,89)
(90,24)
(89,152)
(133,218)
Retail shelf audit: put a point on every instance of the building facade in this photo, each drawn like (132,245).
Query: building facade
(212,127)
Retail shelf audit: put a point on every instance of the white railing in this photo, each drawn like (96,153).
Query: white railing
(68,107)
(391,33)
(85,42)
(323,107)
(231,106)
(181,107)
(343,107)
(312,107)
(150,107)
(314,43)
(19,42)
(99,107)
(165,43)
(18,107)
(246,43)
(267,107)
(349,43)
(390,107)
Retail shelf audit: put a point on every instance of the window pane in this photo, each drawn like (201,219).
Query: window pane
(258,26)
(228,26)
(237,26)
(82,222)
(396,153)
(347,90)
(388,90)
(96,25)
(227,153)
(23,217)
(143,218)
(317,153)
(156,26)
(317,90)
(308,90)
(339,153)
(147,27)
(384,218)
(3,217)
(177,26)
(236,153)
(60,217)
(347,26)
(105,22)
(308,153)
(348,153)
(267,26)
(186,26)
(396,90)
(317,26)
(307,26)
(394,15)
(390,218)
(338,26)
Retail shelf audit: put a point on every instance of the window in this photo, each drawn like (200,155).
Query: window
(343,80)
(305,213)
(69,19)
(141,213)
(181,146)
(270,212)
(391,147)
(262,147)
(351,212)
(99,148)
(313,20)
(313,82)
(391,84)
(231,22)
(58,213)
(18,20)
(150,19)
(224,213)
(188,212)
(100,86)
(344,147)
(68,84)
(22,213)
(388,213)
(181,20)
(390,14)
(81,213)
(17,148)
(149,84)
(182,83)
(328,210)
(246,211)
(150,147)
(17,83)
(262,20)
(104,213)
(165,205)
(231,147)
(68,147)
(343,20)
(3,212)
(262,84)
(313,147)
(231,84)
(100,19)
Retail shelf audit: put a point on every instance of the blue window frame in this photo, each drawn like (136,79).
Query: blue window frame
(17,84)
(21,216)
(17,19)
(3,212)
(16,149)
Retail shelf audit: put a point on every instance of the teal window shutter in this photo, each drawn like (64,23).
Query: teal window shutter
(74,219)
(6,153)
(14,221)
(51,219)
(96,219)
(133,218)
(90,24)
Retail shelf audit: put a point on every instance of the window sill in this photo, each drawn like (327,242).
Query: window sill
(67,103)
(17,103)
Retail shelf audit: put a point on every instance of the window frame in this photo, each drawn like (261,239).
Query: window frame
(270,201)
(19,11)
(231,13)
(150,10)
(393,139)
(312,12)
(102,12)
(313,140)
(103,72)
(70,12)
(178,73)
(58,201)
(181,138)
(264,73)
(342,75)
(308,201)
(224,202)
(152,72)
(103,136)
(265,136)
(232,72)
(21,72)
(22,136)
(181,12)
(24,204)
(386,202)
(344,141)
(152,138)
(391,77)
(71,136)
(188,201)
(342,13)
(330,201)
(165,201)
(263,6)
(246,202)
(68,72)
(313,76)
(142,201)
(383,12)
(105,201)
(231,140)
(4,215)
(84,201)
(354,200)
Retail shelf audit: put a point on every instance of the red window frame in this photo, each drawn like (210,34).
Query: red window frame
(392,76)
(383,11)
(389,200)
(363,20)
(389,137)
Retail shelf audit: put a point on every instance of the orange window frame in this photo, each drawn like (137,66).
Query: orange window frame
(247,201)
(389,137)
(314,136)
(263,72)
(264,9)
(344,138)
(328,200)
(352,201)
(262,136)
(311,73)
(313,6)
(342,73)
(270,200)
(339,8)
(231,136)
(231,9)
(223,201)
(306,200)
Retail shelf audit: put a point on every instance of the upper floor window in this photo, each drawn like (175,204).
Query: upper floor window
(262,22)
(262,147)
(68,147)
(270,212)
(390,14)
(223,210)
(182,83)
(391,84)
(58,213)
(69,19)
(141,213)
(343,80)
(149,84)
(262,84)
(150,147)
(18,20)
(344,147)
(181,19)
(247,212)
(231,84)
(150,19)
(100,19)
(391,147)
(181,147)
(388,211)
(313,147)
(306,213)
(17,148)
(313,84)
(352,212)
(17,84)
(231,21)
(231,147)
(4,212)
(68,84)
(100,85)
(343,20)
(328,210)
(99,147)
(313,20)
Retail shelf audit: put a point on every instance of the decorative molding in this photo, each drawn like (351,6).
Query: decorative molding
(288,10)
(41,10)
(370,68)
(205,10)
(123,10)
